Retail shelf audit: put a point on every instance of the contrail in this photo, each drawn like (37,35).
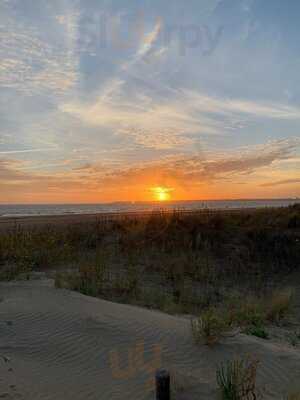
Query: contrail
(25,151)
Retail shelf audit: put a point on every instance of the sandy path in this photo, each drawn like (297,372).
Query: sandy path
(63,345)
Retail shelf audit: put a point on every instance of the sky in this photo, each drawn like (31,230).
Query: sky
(110,100)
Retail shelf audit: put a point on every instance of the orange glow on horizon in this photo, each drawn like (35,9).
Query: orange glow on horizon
(162,193)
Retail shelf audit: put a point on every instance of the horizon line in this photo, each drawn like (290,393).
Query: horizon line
(154,201)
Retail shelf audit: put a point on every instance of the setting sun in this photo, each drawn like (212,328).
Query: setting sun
(162,193)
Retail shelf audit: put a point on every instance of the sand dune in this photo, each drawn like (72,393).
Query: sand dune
(59,344)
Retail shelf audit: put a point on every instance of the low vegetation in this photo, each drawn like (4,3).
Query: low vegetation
(251,315)
(224,267)
(177,262)
(257,331)
(294,338)
(209,327)
(293,396)
(279,305)
(236,379)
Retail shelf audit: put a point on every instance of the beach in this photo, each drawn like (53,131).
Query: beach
(149,200)
(92,305)
(63,345)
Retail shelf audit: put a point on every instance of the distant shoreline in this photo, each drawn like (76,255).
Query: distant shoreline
(7,222)
(168,202)
(20,212)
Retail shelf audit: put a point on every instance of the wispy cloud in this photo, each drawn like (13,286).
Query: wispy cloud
(11,174)
(157,122)
(134,116)
(31,65)
(282,182)
(156,115)
(181,173)
(238,106)
(162,139)
(154,125)
(195,169)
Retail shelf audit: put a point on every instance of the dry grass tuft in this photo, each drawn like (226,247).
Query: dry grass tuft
(280,305)
(248,312)
(210,327)
(237,379)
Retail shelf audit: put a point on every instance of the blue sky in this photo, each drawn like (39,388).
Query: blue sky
(102,100)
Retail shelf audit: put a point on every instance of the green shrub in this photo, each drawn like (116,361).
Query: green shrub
(257,331)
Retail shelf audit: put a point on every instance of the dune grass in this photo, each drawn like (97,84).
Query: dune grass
(251,315)
(209,327)
(279,305)
(236,379)
(192,260)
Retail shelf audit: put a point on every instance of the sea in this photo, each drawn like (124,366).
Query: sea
(21,210)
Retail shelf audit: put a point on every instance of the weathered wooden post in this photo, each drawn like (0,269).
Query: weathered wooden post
(162,380)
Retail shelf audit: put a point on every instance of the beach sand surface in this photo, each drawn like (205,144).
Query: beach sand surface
(61,345)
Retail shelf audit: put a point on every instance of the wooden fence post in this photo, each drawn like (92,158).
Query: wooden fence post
(162,380)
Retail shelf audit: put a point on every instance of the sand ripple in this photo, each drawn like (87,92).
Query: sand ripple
(63,345)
